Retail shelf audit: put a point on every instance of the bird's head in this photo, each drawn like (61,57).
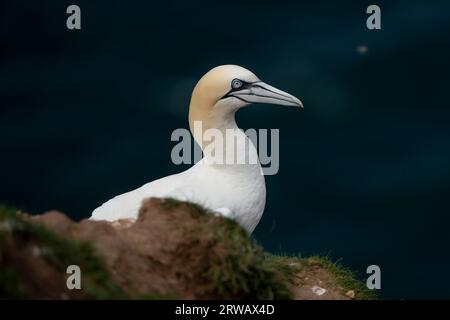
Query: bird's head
(225,89)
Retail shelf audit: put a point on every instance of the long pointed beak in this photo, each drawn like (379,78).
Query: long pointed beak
(260,92)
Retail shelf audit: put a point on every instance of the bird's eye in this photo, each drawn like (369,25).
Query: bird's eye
(236,84)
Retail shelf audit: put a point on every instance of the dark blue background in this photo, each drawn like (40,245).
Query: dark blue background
(364,173)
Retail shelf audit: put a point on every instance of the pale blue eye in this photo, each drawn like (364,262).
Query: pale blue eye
(236,84)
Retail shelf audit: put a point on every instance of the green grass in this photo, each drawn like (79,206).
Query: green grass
(238,267)
(341,275)
(9,284)
(344,277)
(60,253)
(247,271)
(244,271)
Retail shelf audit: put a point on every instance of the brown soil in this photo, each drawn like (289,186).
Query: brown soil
(166,253)
(306,285)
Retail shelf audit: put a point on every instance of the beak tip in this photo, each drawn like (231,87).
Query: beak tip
(299,103)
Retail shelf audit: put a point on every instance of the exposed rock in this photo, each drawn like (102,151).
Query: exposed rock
(173,250)
(318,290)
(350,294)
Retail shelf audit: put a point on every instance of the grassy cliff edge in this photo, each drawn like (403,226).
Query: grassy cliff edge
(174,250)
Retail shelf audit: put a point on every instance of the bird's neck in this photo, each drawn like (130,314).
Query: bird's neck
(209,122)
(224,145)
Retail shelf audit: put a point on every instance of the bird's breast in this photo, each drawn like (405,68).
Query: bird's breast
(241,190)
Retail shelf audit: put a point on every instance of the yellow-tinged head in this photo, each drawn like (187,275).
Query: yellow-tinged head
(225,89)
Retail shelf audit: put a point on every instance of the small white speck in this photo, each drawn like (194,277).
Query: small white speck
(362,49)
(318,290)
(350,294)
(36,251)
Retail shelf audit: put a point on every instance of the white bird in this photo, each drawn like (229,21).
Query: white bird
(235,190)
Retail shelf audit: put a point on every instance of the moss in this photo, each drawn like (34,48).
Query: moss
(7,212)
(9,284)
(283,264)
(60,253)
(237,267)
(244,271)
(170,203)
(196,210)
(240,269)
(342,276)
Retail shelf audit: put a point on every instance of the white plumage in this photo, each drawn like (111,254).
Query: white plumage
(233,190)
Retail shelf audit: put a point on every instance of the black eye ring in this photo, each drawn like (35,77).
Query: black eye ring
(236,84)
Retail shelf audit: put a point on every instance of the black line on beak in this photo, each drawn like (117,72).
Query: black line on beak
(245,85)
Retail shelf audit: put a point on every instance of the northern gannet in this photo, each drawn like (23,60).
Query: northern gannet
(235,190)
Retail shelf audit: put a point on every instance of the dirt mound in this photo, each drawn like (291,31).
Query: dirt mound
(174,250)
